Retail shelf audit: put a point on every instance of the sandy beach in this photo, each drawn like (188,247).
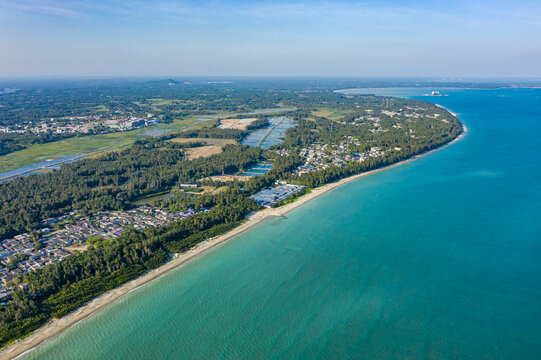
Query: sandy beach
(55,327)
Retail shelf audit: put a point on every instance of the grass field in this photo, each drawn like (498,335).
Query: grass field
(82,145)
(322,112)
(164,195)
(209,141)
(330,114)
(200,190)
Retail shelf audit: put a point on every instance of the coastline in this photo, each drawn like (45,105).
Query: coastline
(56,327)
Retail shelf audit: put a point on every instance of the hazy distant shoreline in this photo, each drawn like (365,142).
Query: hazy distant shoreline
(348,91)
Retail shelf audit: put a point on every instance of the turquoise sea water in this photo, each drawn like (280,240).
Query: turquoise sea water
(436,259)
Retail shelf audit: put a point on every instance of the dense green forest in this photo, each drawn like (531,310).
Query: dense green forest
(110,182)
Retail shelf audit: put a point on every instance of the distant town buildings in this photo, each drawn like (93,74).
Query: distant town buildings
(82,124)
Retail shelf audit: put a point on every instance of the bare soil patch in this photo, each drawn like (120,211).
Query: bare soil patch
(240,124)
(226,178)
(78,247)
(203,151)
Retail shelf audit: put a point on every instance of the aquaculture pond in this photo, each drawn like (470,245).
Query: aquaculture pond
(259,169)
(272,134)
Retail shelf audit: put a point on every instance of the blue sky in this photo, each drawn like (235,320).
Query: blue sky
(271,38)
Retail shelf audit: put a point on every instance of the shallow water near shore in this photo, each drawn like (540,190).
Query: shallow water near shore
(434,259)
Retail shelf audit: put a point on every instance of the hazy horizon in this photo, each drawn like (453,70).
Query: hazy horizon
(180,77)
(344,39)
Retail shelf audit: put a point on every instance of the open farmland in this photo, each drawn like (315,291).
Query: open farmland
(214,146)
(203,151)
(209,141)
(240,124)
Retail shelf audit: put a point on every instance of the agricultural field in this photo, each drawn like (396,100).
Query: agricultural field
(331,114)
(240,124)
(209,141)
(202,152)
(214,146)
(147,200)
(200,190)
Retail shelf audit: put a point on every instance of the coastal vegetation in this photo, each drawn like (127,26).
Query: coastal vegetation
(334,136)
(62,287)
(111,181)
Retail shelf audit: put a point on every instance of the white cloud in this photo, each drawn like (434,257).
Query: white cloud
(38,7)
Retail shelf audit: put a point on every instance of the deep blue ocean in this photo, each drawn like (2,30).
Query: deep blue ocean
(437,259)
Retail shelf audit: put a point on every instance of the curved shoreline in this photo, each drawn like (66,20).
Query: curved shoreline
(55,327)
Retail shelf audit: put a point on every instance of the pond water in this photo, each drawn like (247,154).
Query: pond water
(271,135)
